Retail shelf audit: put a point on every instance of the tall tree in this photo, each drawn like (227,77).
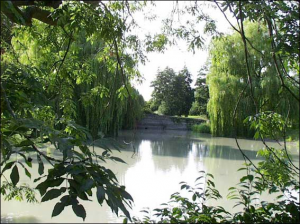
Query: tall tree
(185,94)
(173,93)
(199,106)
(228,76)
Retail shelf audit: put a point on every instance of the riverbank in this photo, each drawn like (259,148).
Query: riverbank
(163,122)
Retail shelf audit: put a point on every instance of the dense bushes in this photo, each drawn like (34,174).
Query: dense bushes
(201,128)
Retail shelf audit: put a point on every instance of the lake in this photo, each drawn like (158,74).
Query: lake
(156,162)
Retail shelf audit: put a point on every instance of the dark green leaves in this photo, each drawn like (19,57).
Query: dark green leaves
(79,210)
(100,194)
(117,159)
(58,208)
(7,166)
(194,197)
(87,185)
(27,173)
(126,195)
(14,176)
(53,193)
(24,143)
(41,164)
(42,187)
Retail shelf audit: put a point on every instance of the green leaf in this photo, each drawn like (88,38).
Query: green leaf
(79,211)
(210,175)
(65,200)
(37,179)
(183,186)
(126,195)
(29,163)
(83,196)
(58,208)
(243,168)
(117,159)
(194,197)
(27,173)
(209,182)
(198,178)
(41,164)
(87,185)
(100,194)
(14,176)
(250,177)
(24,143)
(42,187)
(7,166)
(53,193)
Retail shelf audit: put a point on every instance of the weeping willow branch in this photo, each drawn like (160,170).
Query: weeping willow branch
(118,56)
(284,136)
(121,68)
(246,56)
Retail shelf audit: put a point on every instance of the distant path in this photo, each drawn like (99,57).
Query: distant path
(162,122)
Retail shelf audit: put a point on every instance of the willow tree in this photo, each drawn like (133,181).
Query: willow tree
(53,51)
(98,82)
(228,76)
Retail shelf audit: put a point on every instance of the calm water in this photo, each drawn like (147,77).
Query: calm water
(156,162)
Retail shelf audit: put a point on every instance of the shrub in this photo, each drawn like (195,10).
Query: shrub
(201,128)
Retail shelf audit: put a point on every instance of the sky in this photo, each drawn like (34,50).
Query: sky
(175,57)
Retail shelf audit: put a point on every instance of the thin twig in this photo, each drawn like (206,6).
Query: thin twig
(237,29)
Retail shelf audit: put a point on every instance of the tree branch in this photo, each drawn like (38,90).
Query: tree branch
(121,67)
(238,30)
(269,22)
(34,11)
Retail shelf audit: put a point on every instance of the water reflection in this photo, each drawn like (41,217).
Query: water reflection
(178,144)
(156,163)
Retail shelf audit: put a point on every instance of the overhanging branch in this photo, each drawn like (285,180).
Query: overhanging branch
(33,10)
